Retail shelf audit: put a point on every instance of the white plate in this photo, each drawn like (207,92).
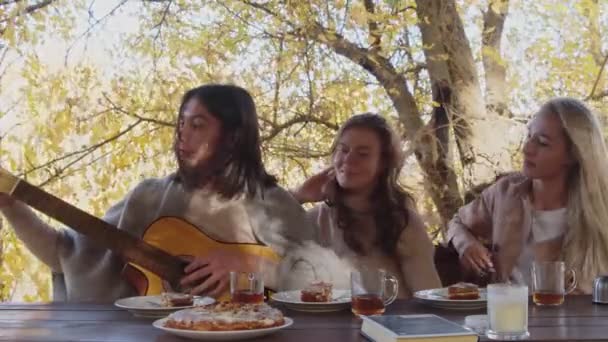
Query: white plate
(220,335)
(439,298)
(291,300)
(150,307)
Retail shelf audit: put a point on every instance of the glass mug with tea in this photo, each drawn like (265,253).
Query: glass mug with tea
(507,312)
(246,287)
(372,291)
(549,282)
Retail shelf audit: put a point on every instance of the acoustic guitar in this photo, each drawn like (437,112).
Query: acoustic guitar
(150,260)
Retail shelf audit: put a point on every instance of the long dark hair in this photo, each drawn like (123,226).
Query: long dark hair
(236,165)
(390,201)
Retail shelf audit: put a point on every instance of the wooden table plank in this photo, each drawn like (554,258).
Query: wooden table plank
(577,320)
(59,307)
(66,315)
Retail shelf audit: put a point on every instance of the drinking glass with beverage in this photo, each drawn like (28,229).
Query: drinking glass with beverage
(372,291)
(507,312)
(548,282)
(246,287)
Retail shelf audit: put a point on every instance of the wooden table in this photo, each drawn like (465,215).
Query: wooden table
(577,320)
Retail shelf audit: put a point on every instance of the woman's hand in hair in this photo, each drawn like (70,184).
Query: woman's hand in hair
(314,188)
(477,258)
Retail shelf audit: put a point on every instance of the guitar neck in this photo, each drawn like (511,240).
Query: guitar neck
(102,233)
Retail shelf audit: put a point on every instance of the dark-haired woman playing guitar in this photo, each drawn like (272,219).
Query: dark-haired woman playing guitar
(221,187)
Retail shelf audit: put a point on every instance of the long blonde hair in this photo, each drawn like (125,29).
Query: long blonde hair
(586,241)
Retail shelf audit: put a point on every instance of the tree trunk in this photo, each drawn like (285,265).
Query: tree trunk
(434,52)
(474,128)
(2,285)
(494,66)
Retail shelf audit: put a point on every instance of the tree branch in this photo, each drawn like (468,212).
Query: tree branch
(37,6)
(375,35)
(311,84)
(392,81)
(248,23)
(597,81)
(81,151)
(381,68)
(8,2)
(599,96)
(266,10)
(90,28)
(26,10)
(346,11)
(277,129)
(592,12)
(115,107)
(61,173)
(278,82)
(299,152)
(163,19)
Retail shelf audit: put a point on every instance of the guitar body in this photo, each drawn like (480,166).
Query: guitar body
(180,238)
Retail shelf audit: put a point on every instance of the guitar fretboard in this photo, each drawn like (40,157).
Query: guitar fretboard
(102,233)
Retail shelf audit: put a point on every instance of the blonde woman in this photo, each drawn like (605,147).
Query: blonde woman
(556,208)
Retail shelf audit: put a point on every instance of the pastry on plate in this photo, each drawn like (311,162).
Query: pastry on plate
(171,299)
(462,291)
(317,292)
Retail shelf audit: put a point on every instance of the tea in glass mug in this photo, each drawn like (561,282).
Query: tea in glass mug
(368,290)
(548,282)
(246,287)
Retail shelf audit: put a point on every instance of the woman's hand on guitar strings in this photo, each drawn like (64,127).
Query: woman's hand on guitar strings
(209,275)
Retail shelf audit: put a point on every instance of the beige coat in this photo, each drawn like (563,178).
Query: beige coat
(413,266)
(502,215)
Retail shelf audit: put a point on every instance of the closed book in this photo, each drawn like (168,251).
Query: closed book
(414,328)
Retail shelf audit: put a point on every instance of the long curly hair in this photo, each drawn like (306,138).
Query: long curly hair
(390,201)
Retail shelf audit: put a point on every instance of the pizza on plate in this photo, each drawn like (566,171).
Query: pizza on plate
(226,316)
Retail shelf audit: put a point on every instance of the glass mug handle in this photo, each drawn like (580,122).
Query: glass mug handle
(394,289)
(572,285)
